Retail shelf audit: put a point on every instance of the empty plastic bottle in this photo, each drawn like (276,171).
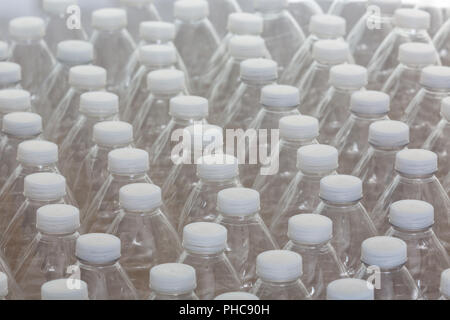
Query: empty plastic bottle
(237,295)
(215,173)
(125,166)
(404,82)
(4,51)
(303,11)
(350,10)
(445,285)
(301,195)
(385,259)
(341,195)
(139,11)
(248,235)
(14,100)
(219,11)
(204,244)
(98,265)
(366,107)
(334,110)
(279,273)
(438,12)
(64,289)
(52,250)
(376,167)
(295,132)
(350,289)
(173,281)
(9,289)
(310,236)
(441,43)
(10,75)
(146,235)
(412,221)
(422,115)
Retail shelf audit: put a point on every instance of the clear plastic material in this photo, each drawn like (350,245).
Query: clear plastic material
(350,10)
(10,75)
(303,11)
(219,12)
(10,288)
(441,42)
(137,12)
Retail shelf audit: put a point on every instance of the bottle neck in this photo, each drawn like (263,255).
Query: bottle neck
(51,237)
(40,202)
(219,182)
(241,219)
(258,83)
(185,122)
(394,269)
(142,213)
(414,177)
(313,248)
(279,109)
(173,296)
(419,233)
(92,265)
(348,204)
(128,176)
(368,116)
(382,150)
(31,168)
(166,95)
(204,254)
(287,283)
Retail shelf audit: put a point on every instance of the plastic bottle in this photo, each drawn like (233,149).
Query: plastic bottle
(301,195)
(384,259)
(98,265)
(165,8)
(173,281)
(441,41)
(295,132)
(219,11)
(52,250)
(4,51)
(366,107)
(350,289)
(303,11)
(350,10)
(146,235)
(204,244)
(444,287)
(248,235)
(64,289)
(10,75)
(279,273)
(9,289)
(237,295)
(139,11)
(438,12)
(14,100)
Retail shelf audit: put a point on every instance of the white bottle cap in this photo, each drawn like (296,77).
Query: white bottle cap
(204,237)
(12,100)
(4,50)
(280,96)
(188,107)
(370,102)
(384,252)
(58,7)
(165,81)
(154,31)
(128,161)
(279,266)
(348,76)
(109,19)
(416,162)
(157,55)
(330,51)
(10,72)
(238,295)
(98,248)
(140,197)
(58,219)
(445,283)
(350,289)
(246,47)
(37,152)
(436,77)
(388,133)
(22,124)
(341,188)
(259,69)
(191,10)
(445,108)
(309,228)
(99,103)
(200,136)
(64,289)
(298,127)
(417,54)
(137,3)
(75,52)
(238,202)
(412,19)
(217,167)
(87,77)
(44,186)
(386,6)
(411,214)
(173,278)
(245,23)
(317,158)
(3,285)
(27,28)
(113,133)
(270,5)
(327,25)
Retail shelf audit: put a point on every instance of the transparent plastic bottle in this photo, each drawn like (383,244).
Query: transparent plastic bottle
(98,265)
(125,166)
(376,167)
(366,107)
(237,295)
(438,11)
(310,236)
(10,75)
(279,273)
(215,173)
(219,11)
(322,27)
(14,100)
(248,236)
(52,250)
(173,281)
(350,10)
(441,43)
(333,110)
(4,51)
(412,221)
(384,258)
(64,289)
(204,244)
(415,180)
(139,11)
(301,195)
(194,27)
(165,8)
(314,84)
(350,289)
(303,11)
(82,79)
(445,285)
(146,235)
(9,289)
(341,195)
(422,114)
(404,82)
(295,132)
